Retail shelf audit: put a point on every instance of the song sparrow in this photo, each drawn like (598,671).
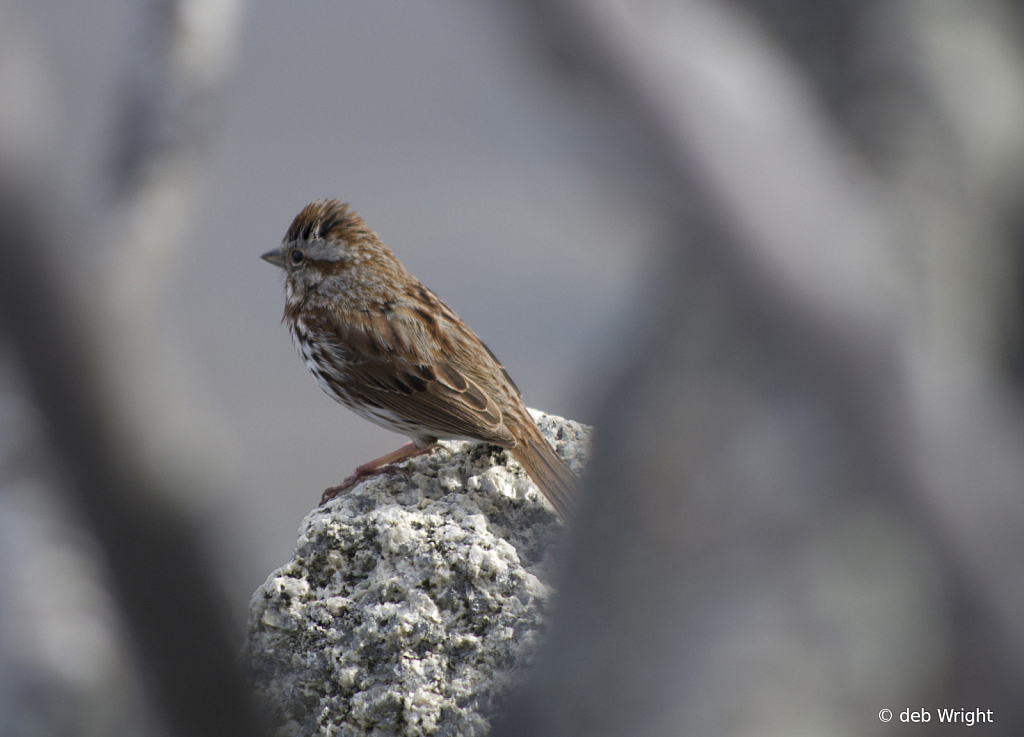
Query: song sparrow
(386,347)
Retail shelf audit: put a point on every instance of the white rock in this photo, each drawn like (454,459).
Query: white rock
(413,600)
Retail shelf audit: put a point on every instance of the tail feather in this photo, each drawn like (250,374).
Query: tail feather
(549,471)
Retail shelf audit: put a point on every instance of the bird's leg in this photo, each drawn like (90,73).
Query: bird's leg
(384,464)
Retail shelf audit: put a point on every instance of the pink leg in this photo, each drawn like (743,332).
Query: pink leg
(375,467)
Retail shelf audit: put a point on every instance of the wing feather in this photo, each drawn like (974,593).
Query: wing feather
(390,363)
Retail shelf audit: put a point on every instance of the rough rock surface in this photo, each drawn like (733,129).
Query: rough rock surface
(413,600)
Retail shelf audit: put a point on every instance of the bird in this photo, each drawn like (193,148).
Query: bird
(381,343)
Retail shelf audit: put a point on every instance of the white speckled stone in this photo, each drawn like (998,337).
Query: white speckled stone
(413,600)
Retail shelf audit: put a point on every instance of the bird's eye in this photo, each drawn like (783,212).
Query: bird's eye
(297,256)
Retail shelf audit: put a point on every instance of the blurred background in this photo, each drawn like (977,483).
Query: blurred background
(861,164)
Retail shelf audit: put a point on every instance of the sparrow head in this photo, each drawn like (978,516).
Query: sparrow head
(326,239)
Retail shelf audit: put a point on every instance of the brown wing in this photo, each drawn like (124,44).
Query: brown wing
(462,348)
(394,361)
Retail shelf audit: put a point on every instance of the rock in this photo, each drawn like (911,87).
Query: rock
(414,600)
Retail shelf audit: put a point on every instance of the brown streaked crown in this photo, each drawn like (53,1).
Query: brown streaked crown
(324,218)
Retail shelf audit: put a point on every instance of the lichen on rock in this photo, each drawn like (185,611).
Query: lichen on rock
(412,601)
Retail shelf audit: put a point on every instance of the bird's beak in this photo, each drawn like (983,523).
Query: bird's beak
(274,257)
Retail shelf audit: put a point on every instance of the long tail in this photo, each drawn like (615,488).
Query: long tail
(547,469)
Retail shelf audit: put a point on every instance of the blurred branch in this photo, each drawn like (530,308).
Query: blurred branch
(170,601)
(88,374)
(171,104)
(806,426)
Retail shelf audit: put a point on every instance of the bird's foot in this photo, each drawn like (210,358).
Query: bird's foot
(360,473)
(384,464)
